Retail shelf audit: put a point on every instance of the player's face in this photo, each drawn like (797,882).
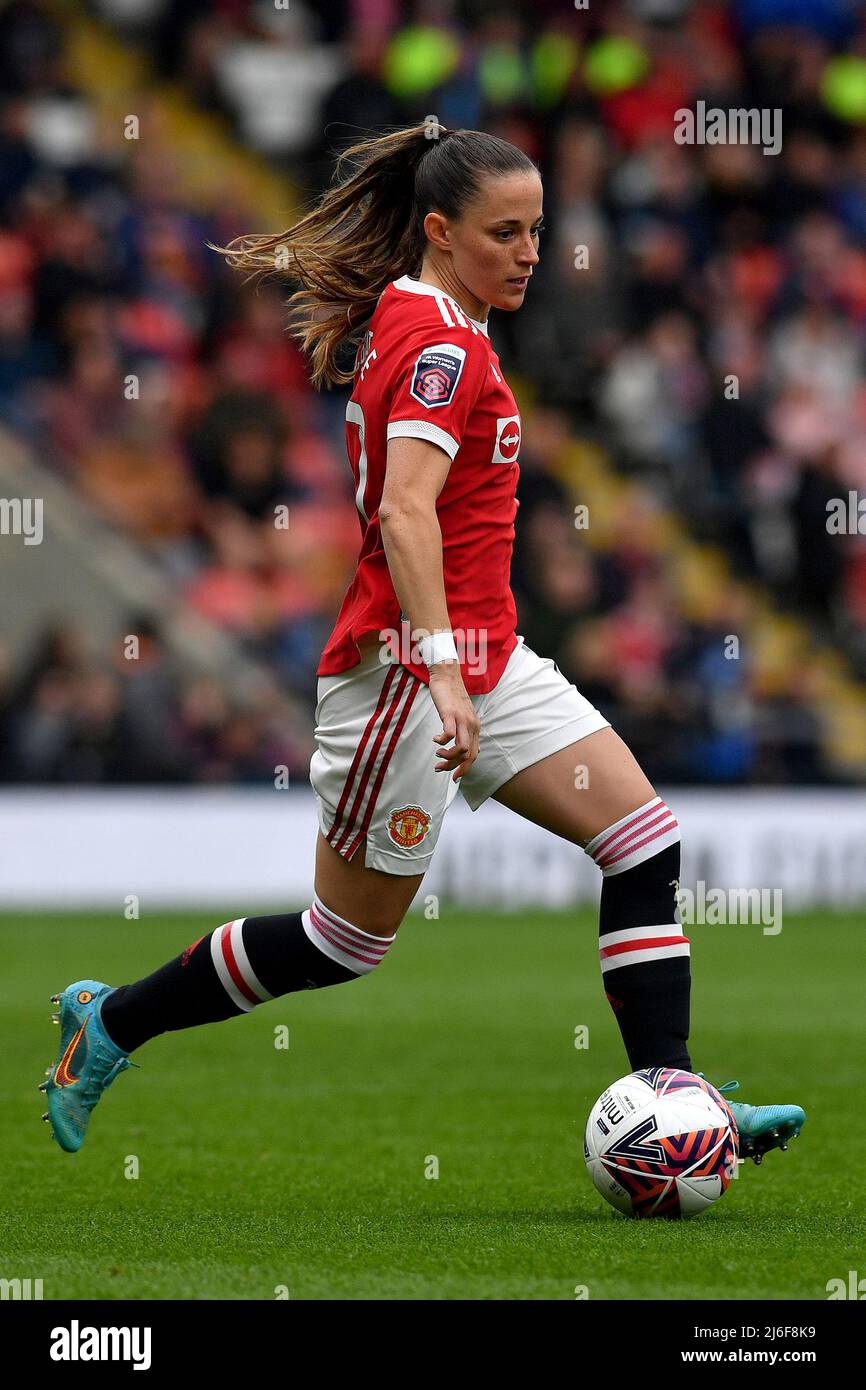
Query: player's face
(495,244)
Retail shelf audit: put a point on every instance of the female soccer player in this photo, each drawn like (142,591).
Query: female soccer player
(425,687)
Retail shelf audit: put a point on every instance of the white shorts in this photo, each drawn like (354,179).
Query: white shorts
(374,768)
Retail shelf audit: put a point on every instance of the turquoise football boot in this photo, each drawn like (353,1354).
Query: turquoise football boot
(87,1063)
(762,1127)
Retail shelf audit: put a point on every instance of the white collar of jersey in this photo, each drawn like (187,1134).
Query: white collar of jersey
(418,287)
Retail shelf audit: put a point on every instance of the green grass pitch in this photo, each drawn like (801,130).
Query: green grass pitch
(303,1169)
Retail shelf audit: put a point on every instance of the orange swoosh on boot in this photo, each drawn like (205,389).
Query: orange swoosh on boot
(63,1076)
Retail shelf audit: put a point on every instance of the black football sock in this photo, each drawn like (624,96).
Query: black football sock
(239,965)
(644,953)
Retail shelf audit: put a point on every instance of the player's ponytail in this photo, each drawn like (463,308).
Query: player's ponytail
(368,230)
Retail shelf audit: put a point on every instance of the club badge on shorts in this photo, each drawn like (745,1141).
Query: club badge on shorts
(407,825)
(437,372)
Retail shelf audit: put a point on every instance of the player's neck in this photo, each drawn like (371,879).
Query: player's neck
(468,303)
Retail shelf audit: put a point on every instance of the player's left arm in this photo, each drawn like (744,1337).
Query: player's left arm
(439,386)
(412,538)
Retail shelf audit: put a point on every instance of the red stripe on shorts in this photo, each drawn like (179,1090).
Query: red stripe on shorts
(365,824)
(383,695)
(370,760)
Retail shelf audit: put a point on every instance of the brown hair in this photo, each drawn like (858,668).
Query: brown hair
(368,230)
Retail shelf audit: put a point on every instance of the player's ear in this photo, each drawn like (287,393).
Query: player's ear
(436,229)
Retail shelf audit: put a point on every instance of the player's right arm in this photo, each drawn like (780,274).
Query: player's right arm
(415,475)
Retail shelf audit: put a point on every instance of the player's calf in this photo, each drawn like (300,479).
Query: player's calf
(644,953)
(225,973)
(239,965)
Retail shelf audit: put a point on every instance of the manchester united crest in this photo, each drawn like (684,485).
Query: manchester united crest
(407,825)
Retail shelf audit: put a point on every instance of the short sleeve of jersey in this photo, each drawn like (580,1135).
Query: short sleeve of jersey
(437,388)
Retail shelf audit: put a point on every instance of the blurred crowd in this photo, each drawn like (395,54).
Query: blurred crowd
(711,343)
(133,716)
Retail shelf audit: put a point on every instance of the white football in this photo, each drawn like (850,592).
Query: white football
(661,1142)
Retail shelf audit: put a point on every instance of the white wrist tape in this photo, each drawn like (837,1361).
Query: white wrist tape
(439,646)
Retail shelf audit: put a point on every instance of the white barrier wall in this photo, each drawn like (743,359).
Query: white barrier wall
(235,850)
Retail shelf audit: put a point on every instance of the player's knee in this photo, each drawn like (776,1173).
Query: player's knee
(640,836)
(375,902)
(356,948)
(639,857)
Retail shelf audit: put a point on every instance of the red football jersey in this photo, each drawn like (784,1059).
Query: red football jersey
(427,371)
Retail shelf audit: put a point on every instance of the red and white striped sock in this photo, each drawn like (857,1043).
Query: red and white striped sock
(638,836)
(643,951)
(233,968)
(336,938)
(244,963)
